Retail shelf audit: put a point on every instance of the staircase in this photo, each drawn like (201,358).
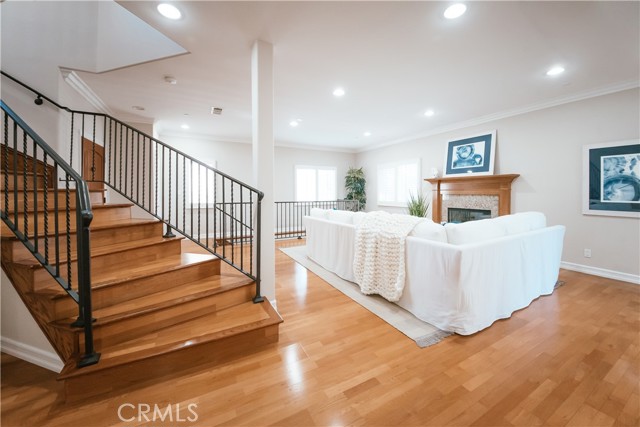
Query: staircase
(161,304)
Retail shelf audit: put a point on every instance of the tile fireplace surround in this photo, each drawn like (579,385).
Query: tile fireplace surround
(490,192)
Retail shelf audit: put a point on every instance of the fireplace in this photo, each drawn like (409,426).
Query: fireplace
(464,215)
(485,192)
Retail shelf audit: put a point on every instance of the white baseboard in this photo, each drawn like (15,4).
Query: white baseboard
(602,272)
(31,354)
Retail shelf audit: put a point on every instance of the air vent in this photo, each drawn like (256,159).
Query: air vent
(216,110)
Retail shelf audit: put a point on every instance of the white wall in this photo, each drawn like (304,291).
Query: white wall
(234,158)
(545,148)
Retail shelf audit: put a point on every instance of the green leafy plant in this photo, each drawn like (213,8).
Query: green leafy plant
(354,183)
(418,205)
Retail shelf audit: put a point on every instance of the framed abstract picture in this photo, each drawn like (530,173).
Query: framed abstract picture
(472,155)
(611,179)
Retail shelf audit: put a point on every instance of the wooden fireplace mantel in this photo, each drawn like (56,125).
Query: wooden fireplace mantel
(491,185)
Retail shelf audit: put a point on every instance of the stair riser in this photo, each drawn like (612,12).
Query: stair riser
(20,185)
(12,249)
(121,260)
(148,371)
(96,198)
(127,329)
(110,295)
(100,217)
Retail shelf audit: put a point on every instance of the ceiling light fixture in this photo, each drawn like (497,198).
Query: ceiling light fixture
(367,134)
(554,71)
(169,11)
(185,126)
(338,92)
(293,123)
(429,113)
(138,108)
(171,80)
(455,11)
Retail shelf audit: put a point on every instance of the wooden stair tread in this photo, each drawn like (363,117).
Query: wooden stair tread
(159,300)
(72,210)
(104,250)
(225,323)
(117,223)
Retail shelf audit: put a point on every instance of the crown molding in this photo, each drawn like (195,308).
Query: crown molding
(73,79)
(605,90)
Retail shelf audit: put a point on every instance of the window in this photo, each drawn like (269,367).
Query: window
(315,183)
(200,182)
(396,181)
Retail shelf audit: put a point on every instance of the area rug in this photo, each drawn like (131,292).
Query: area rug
(421,332)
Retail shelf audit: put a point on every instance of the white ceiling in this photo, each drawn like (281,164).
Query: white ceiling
(394,59)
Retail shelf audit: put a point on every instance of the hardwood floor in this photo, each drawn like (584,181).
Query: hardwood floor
(572,358)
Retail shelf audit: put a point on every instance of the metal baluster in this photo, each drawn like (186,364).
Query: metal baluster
(232,221)
(199,191)
(252,236)
(93,151)
(155,197)
(184,197)
(120,168)
(215,211)
(138,162)
(224,221)
(15,174)
(71,142)
(242,230)
(168,232)
(104,143)
(25,192)
(110,150)
(5,214)
(206,206)
(46,207)
(56,219)
(35,196)
(68,223)
(126,160)
(144,167)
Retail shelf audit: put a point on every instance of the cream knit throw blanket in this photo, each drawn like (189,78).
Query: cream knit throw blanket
(378,263)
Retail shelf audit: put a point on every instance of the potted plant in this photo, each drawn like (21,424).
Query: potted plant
(418,205)
(354,183)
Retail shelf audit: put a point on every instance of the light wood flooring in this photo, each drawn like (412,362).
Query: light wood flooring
(572,358)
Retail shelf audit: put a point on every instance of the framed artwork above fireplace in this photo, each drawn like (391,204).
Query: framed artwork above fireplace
(471,155)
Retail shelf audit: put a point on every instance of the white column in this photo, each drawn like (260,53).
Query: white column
(262,132)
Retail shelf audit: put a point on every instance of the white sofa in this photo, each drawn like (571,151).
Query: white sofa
(459,277)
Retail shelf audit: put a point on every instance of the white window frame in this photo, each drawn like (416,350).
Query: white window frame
(395,166)
(316,168)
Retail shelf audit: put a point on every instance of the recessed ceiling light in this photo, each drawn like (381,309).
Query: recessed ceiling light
(169,11)
(455,11)
(429,113)
(293,123)
(185,126)
(367,134)
(554,71)
(171,80)
(137,107)
(338,92)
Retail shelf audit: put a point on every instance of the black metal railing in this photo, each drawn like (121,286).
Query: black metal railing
(44,217)
(187,195)
(290,215)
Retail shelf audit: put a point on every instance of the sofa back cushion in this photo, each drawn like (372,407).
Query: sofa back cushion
(474,231)
(521,222)
(319,213)
(429,230)
(345,217)
(357,217)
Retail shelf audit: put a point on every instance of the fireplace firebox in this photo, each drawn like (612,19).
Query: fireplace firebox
(464,215)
